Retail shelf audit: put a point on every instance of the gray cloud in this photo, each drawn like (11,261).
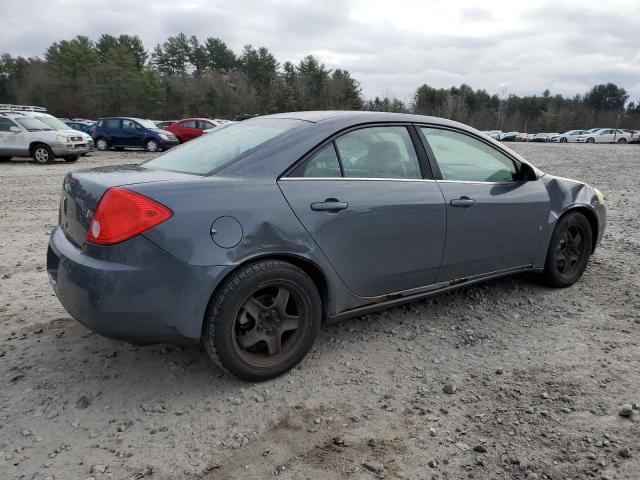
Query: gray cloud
(566,47)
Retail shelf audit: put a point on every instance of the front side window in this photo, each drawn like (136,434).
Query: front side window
(129,125)
(212,151)
(464,158)
(378,152)
(6,124)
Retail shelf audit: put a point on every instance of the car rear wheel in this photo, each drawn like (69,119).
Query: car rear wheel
(102,144)
(42,154)
(591,140)
(152,145)
(622,140)
(569,251)
(263,320)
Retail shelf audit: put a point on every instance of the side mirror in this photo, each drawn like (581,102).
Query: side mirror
(527,173)
(14,129)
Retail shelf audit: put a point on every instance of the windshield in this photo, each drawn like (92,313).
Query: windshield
(54,123)
(226,143)
(33,124)
(146,123)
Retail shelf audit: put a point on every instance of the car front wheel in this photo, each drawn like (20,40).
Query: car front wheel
(152,145)
(591,140)
(563,140)
(42,154)
(263,320)
(569,251)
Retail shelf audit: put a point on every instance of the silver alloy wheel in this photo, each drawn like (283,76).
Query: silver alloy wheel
(152,145)
(101,144)
(41,155)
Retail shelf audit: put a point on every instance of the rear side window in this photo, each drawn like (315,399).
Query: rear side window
(205,125)
(6,124)
(323,164)
(188,124)
(111,123)
(378,152)
(232,141)
(464,158)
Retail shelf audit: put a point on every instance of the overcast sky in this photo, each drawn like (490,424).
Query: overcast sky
(391,46)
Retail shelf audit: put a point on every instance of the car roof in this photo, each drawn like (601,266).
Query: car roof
(194,118)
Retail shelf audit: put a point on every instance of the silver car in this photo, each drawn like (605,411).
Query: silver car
(22,135)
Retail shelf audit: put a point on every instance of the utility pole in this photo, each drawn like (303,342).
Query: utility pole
(615,133)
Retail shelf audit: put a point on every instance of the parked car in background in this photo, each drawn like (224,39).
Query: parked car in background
(635,137)
(126,132)
(540,137)
(604,135)
(523,137)
(249,238)
(22,135)
(164,123)
(568,137)
(509,137)
(81,125)
(190,128)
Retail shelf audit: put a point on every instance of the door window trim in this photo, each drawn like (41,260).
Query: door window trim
(436,168)
(423,162)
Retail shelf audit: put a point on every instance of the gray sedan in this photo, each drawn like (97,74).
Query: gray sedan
(250,237)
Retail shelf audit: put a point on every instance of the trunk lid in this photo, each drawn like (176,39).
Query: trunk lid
(83,189)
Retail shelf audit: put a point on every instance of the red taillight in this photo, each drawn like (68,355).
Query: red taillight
(123,214)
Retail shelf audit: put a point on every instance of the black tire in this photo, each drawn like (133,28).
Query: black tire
(568,255)
(5,159)
(591,140)
(230,318)
(622,140)
(563,140)
(102,144)
(71,158)
(42,154)
(152,145)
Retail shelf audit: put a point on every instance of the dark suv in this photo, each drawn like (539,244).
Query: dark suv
(120,132)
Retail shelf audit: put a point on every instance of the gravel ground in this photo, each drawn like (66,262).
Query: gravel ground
(504,380)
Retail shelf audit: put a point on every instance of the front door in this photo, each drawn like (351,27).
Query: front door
(495,221)
(132,133)
(363,200)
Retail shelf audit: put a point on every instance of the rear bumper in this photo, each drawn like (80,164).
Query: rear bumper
(133,291)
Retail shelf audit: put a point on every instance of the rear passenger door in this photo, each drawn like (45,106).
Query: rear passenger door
(495,219)
(363,198)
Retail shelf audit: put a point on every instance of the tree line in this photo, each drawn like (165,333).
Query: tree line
(185,76)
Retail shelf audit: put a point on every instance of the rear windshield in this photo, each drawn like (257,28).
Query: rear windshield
(226,143)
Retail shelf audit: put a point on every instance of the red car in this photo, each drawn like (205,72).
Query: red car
(190,128)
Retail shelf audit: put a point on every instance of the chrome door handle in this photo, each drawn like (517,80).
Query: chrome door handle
(329,205)
(464,202)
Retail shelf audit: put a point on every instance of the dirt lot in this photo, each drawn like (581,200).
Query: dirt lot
(540,375)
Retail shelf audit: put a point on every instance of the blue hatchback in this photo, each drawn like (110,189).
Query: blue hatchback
(120,132)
